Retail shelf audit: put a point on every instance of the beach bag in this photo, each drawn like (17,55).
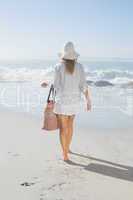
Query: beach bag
(50,118)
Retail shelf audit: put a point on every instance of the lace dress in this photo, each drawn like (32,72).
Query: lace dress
(69,88)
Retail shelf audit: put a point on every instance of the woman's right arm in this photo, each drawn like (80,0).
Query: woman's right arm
(84,87)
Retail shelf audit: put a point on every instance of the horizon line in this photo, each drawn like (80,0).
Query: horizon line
(55,59)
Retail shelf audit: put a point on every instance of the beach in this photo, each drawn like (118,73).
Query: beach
(101,161)
(31,165)
(40,41)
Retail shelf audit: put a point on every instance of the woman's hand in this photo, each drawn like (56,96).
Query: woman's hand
(44,84)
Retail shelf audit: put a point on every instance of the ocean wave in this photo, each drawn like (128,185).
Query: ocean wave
(110,74)
(44,74)
(25,74)
(114,76)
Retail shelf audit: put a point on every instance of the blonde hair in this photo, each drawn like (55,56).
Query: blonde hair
(69,65)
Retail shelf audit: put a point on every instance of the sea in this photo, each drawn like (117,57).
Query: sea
(110,82)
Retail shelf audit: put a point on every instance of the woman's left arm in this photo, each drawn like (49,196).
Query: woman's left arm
(44,84)
(55,81)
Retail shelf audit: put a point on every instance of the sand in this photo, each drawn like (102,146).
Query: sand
(31,165)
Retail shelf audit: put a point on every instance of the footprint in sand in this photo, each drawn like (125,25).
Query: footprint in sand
(54,187)
(27,184)
(31,183)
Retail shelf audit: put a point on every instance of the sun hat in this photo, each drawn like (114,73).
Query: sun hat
(69,52)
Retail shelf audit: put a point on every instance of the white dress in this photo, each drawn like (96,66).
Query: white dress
(69,88)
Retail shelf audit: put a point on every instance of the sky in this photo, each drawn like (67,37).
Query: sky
(38,29)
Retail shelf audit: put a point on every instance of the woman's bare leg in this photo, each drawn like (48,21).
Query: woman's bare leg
(70,131)
(63,121)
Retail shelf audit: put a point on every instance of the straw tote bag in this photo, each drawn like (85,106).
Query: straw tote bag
(50,118)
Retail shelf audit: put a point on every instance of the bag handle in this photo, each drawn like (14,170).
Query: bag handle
(53,92)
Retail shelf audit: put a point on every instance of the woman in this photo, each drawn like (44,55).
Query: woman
(69,83)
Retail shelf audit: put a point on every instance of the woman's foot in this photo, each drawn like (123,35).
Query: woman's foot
(69,151)
(66,158)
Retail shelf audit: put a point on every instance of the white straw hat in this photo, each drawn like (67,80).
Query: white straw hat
(69,52)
